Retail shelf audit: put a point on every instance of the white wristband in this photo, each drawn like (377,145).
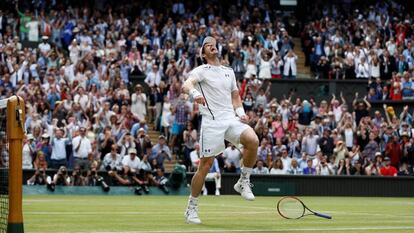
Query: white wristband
(240,112)
(194,93)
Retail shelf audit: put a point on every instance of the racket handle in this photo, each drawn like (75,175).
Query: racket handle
(323,216)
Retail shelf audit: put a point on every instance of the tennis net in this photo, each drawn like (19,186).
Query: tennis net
(4,168)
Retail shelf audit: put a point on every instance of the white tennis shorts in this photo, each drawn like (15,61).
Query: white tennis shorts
(214,132)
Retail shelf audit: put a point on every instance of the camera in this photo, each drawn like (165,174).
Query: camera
(104,185)
(138,191)
(49,184)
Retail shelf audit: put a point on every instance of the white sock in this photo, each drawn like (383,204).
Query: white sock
(245,172)
(192,200)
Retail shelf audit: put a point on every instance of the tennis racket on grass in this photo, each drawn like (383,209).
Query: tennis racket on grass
(293,208)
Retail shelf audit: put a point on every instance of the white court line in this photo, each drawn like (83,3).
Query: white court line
(321,211)
(317,229)
(169,213)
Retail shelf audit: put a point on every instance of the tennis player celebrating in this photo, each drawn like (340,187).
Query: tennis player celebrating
(214,87)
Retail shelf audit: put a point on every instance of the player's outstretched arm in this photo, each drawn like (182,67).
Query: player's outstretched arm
(189,88)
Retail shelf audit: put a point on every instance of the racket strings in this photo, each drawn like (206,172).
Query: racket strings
(291,208)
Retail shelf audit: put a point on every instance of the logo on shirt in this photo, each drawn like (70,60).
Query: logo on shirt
(207,150)
(227,75)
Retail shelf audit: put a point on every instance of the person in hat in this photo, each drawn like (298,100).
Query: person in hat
(214,88)
(131,162)
(44,47)
(388,169)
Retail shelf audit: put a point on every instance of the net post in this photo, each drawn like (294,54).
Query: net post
(15,134)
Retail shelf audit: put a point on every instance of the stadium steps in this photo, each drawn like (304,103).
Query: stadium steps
(303,71)
(153,134)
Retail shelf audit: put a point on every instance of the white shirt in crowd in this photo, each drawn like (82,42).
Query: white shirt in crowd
(44,47)
(132,164)
(153,78)
(59,148)
(82,100)
(362,70)
(85,147)
(263,170)
(138,107)
(375,70)
(290,64)
(112,162)
(232,156)
(277,171)
(33,34)
(27,157)
(286,163)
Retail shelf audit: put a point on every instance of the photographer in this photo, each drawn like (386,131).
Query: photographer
(39,178)
(61,177)
(128,177)
(93,179)
(77,179)
(160,180)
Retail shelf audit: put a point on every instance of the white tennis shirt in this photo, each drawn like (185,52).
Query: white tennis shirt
(215,83)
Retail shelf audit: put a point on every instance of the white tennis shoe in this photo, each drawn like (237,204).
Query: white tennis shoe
(191,215)
(243,186)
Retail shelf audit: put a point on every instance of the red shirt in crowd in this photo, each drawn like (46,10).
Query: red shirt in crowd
(393,150)
(396,92)
(388,171)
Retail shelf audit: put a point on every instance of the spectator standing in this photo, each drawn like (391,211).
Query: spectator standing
(289,69)
(81,149)
(59,143)
(393,151)
(138,106)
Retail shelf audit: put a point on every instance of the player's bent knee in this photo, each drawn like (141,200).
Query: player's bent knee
(249,139)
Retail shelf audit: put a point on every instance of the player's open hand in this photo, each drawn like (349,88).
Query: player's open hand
(200,100)
(245,119)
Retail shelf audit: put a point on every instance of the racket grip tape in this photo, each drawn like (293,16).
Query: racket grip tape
(323,216)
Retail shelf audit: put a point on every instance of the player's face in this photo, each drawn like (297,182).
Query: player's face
(210,49)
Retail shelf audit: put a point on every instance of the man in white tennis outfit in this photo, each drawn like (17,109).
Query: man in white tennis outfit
(214,87)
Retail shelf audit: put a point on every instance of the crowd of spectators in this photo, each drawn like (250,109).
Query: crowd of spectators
(374,42)
(85,115)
